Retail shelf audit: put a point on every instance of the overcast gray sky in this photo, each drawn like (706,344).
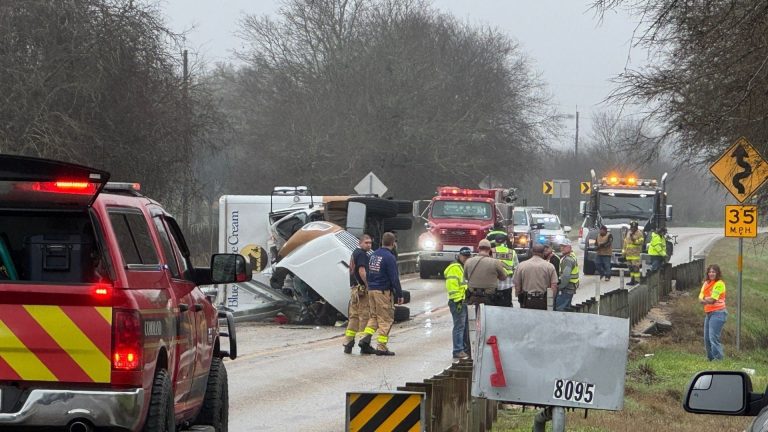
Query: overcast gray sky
(575,53)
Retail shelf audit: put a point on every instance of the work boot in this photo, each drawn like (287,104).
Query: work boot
(365,346)
(348,347)
(632,282)
(385,352)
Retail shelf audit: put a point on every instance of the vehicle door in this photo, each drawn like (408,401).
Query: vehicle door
(185,324)
(201,311)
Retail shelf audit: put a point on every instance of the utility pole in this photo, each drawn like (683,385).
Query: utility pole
(576,147)
(185,187)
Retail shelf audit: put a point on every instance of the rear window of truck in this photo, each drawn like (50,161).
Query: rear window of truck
(44,246)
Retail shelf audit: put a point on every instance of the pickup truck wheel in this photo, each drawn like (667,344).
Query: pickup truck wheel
(402,313)
(215,410)
(589,267)
(161,416)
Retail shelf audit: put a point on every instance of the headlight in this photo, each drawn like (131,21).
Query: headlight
(522,240)
(592,242)
(428,244)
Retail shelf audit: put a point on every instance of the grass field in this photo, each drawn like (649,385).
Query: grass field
(659,368)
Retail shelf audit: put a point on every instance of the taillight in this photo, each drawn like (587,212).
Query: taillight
(127,340)
(581,232)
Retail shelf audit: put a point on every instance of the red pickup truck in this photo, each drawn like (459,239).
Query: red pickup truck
(103,325)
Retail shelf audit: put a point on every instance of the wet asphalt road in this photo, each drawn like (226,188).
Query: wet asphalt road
(295,378)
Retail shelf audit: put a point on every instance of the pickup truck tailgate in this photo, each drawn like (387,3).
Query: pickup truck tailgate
(69,341)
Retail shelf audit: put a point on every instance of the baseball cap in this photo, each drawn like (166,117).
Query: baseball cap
(484,244)
(466,251)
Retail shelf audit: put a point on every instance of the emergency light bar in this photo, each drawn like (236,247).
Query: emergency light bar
(469,193)
(123,186)
(628,181)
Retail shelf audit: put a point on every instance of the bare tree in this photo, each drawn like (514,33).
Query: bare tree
(709,76)
(338,88)
(99,82)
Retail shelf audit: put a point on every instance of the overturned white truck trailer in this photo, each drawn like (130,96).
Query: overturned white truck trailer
(299,245)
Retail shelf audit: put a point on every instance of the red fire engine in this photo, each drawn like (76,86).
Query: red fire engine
(458,217)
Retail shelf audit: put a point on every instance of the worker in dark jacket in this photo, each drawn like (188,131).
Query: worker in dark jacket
(383,290)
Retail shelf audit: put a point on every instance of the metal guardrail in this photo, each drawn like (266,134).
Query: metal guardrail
(635,303)
(406,262)
(450,405)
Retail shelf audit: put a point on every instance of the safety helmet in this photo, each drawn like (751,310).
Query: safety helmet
(466,251)
(500,238)
(633,224)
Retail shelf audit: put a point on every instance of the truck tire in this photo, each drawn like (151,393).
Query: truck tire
(377,206)
(215,410)
(406,296)
(589,267)
(396,224)
(404,206)
(425,271)
(161,417)
(402,313)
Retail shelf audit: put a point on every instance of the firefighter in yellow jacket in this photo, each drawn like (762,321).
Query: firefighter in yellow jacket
(633,247)
(456,286)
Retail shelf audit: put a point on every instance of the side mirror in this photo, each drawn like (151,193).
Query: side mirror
(356,218)
(669,212)
(420,209)
(719,392)
(228,268)
(583,208)
(567,228)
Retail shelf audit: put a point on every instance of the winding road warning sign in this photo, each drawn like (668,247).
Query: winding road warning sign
(741,169)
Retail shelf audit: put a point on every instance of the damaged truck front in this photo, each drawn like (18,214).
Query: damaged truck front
(299,246)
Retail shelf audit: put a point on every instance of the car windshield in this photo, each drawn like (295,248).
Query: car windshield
(626,206)
(520,218)
(550,222)
(462,210)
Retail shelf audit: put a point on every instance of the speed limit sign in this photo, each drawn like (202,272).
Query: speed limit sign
(740,221)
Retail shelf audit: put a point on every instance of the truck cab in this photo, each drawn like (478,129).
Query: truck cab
(458,217)
(615,201)
(102,321)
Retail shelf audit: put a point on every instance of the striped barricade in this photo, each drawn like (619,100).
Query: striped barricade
(390,411)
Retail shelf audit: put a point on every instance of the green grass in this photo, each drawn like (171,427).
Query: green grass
(660,368)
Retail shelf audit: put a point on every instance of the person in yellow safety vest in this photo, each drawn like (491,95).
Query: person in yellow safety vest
(508,257)
(569,277)
(657,248)
(633,247)
(456,286)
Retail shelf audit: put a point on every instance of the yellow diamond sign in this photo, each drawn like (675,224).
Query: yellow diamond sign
(741,169)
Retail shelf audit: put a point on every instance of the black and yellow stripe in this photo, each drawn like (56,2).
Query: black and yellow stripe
(395,412)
